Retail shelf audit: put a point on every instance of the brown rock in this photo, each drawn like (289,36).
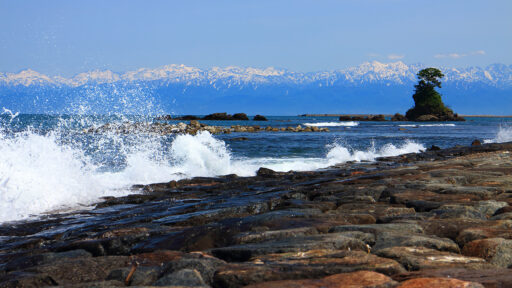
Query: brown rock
(438,282)
(297,265)
(490,278)
(497,251)
(358,279)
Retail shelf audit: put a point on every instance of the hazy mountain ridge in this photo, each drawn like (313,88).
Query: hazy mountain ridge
(368,72)
(371,87)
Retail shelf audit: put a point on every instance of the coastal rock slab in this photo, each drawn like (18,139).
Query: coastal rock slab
(416,258)
(489,278)
(299,265)
(360,279)
(298,244)
(438,282)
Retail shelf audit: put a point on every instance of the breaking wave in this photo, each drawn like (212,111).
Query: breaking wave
(42,173)
(504,134)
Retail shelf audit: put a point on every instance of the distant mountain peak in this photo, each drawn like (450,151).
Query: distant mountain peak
(368,72)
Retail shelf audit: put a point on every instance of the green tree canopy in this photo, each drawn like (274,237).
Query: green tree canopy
(430,77)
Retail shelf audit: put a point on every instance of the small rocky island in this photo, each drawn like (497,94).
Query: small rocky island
(441,218)
(428,105)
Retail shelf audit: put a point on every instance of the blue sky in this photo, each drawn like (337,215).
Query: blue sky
(68,37)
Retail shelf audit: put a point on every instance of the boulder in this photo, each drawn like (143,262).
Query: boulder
(497,251)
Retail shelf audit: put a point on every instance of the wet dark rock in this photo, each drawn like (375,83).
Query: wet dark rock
(434,148)
(476,142)
(265,172)
(81,269)
(25,279)
(44,258)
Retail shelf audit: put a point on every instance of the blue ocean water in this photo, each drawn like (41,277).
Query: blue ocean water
(48,162)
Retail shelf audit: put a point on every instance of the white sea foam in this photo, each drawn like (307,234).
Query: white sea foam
(337,154)
(333,124)
(504,134)
(39,174)
(428,125)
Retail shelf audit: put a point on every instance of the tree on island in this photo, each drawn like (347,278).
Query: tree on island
(428,105)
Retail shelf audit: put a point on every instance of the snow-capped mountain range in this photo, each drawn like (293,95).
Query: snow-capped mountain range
(371,87)
(368,72)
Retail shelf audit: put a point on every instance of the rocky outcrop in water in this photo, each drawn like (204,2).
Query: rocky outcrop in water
(193,128)
(259,118)
(440,218)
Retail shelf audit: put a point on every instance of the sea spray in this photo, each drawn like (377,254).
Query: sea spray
(45,172)
(503,135)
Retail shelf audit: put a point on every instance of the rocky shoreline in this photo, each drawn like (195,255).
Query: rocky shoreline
(441,218)
(192,128)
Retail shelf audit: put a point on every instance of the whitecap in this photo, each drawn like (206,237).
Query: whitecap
(333,124)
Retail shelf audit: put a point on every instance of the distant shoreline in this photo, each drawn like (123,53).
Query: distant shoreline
(389,115)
